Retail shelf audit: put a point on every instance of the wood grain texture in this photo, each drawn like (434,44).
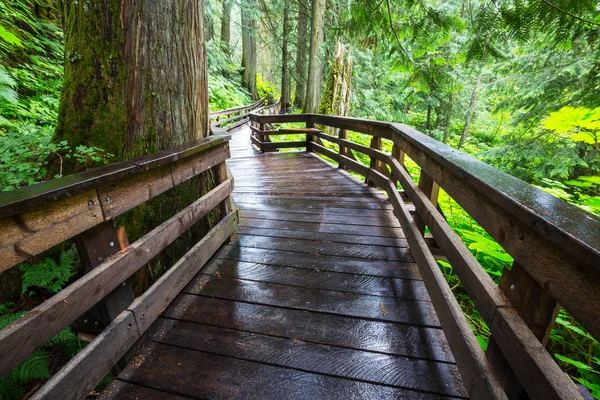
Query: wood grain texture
(402,372)
(161,366)
(32,232)
(375,308)
(349,283)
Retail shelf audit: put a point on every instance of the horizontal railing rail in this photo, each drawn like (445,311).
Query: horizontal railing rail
(556,248)
(226,120)
(83,206)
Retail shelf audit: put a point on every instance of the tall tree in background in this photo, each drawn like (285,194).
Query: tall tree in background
(285,80)
(135,82)
(313,87)
(249,47)
(336,96)
(301,54)
(226,27)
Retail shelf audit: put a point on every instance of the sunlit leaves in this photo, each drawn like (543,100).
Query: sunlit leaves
(580,124)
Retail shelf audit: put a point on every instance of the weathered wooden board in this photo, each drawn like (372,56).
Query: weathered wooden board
(164,367)
(30,197)
(414,312)
(389,269)
(404,372)
(83,371)
(324,237)
(32,232)
(382,220)
(302,277)
(155,300)
(324,248)
(335,330)
(128,391)
(324,227)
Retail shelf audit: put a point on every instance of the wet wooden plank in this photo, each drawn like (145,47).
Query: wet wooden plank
(413,312)
(340,202)
(323,237)
(128,391)
(389,269)
(302,277)
(378,336)
(355,333)
(402,372)
(206,375)
(310,208)
(324,248)
(383,220)
(324,227)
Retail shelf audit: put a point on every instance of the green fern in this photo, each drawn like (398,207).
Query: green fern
(49,274)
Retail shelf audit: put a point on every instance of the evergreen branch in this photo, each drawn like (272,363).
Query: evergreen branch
(569,14)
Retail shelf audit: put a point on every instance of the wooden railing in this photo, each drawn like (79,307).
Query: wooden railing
(83,206)
(227,120)
(555,246)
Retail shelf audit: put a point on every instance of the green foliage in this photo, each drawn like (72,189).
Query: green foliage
(25,152)
(223,93)
(49,274)
(266,90)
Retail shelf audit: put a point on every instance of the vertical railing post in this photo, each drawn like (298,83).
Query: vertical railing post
(342,134)
(397,154)
(262,128)
(431,190)
(536,307)
(375,144)
(220,172)
(95,246)
(309,136)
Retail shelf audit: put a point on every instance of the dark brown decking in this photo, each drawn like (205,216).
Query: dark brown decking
(316,297)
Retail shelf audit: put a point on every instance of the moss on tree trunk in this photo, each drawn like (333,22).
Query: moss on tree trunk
(135,83)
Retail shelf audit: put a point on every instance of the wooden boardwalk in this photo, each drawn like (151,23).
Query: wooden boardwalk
(316,297)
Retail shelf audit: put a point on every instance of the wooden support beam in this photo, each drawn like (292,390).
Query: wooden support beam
(374,164)
(431,190)
(537,309)
(95,246)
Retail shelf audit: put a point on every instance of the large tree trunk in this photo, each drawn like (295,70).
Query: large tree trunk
(313,89)
(285,81)
(470,112)
(135,77)
(226,27)
(135,83)
(301,54)
(249,49)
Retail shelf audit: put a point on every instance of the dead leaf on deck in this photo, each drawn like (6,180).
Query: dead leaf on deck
(383,310)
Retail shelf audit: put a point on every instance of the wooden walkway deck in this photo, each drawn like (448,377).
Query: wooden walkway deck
(316,297)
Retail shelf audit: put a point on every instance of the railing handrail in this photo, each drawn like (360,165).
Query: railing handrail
(228,111)
(577,234)
(40,194)
(555,260)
